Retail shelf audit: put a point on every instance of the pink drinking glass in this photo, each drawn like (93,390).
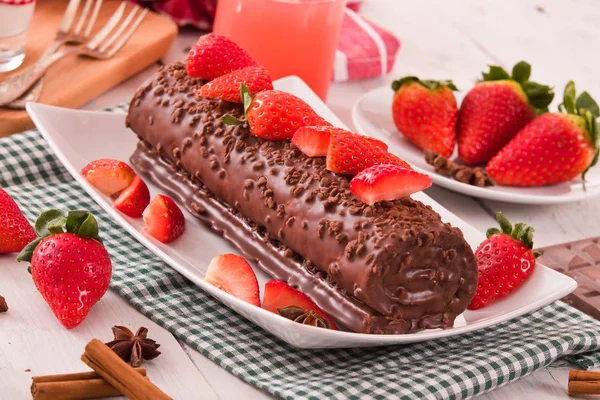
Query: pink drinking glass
(288,37)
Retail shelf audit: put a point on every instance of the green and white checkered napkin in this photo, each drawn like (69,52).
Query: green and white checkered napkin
(452,368)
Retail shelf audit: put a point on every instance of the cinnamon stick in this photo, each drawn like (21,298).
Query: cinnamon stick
(119,374)
(584,387)
(577,375)
(584,382)
(82,385)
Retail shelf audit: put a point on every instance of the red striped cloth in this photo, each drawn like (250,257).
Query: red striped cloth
(16,2)
(365,49)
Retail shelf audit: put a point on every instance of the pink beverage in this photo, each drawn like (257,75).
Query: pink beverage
(288,37)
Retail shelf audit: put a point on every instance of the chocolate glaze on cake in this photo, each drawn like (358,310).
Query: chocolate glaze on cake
(394,267)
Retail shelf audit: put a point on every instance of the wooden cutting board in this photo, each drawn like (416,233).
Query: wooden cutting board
(73,80)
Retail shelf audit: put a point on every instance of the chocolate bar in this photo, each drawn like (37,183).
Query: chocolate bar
(581,261)
(394,267)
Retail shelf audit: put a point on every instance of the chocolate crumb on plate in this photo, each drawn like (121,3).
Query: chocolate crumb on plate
(3,305)
(475,176)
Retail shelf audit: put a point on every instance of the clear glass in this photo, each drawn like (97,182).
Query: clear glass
(288,37)
(14,23)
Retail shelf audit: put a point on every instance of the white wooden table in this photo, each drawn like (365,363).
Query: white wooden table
(440,39)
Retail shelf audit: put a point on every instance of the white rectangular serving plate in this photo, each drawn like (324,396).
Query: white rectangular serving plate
(78,137)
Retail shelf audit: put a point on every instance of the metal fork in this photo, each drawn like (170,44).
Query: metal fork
(99,47)
(64,36)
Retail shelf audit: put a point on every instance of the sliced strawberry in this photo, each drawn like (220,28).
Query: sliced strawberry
(108,176)
(134,199)
(232,274)
(376,142)
(15,231)
(215,55)
(227,87)
(387,182)
(314,140)
(164,220)
(349,153)
(279,295)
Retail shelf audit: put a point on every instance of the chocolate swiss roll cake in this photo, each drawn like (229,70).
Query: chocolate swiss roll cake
(394,267)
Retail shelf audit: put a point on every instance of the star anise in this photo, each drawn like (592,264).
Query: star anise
(3,305)
(303,316)
(133,348)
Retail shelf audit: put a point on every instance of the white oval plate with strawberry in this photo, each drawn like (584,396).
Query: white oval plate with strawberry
(372,116)
(78,137)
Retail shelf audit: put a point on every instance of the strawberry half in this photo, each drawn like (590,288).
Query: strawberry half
(279,295)
(275,115)
(349,153)
(108,176)
(314,140)
(232,274)
(215,55)
(69,265)
(15,231)
(163,219)
(227,87)
(504,261)
(134,199)
(387,182)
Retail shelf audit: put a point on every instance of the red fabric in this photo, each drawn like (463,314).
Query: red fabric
(361,51)
(16,2)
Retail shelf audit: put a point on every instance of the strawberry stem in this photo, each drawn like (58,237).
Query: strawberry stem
(79,222)
(520,231)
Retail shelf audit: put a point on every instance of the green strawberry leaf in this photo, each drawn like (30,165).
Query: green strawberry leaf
(568,103)
(521,231)
(50,222)
(540,96)
(521,72)
(397,84)
(527,238)
(83,224)
(229,119)
(495,73)
(492,231)
(429,84)
(246,97)
(27,253)
(504,224)
(46,218)
(518,230)
(585,101)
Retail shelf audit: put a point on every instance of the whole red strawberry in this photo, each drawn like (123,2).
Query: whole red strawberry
(504,260)
(553,148)
(425,112)
(350,153)
(496,109)
(15,230)
(227,87)
(275,115)
(215,55)
(69,265)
